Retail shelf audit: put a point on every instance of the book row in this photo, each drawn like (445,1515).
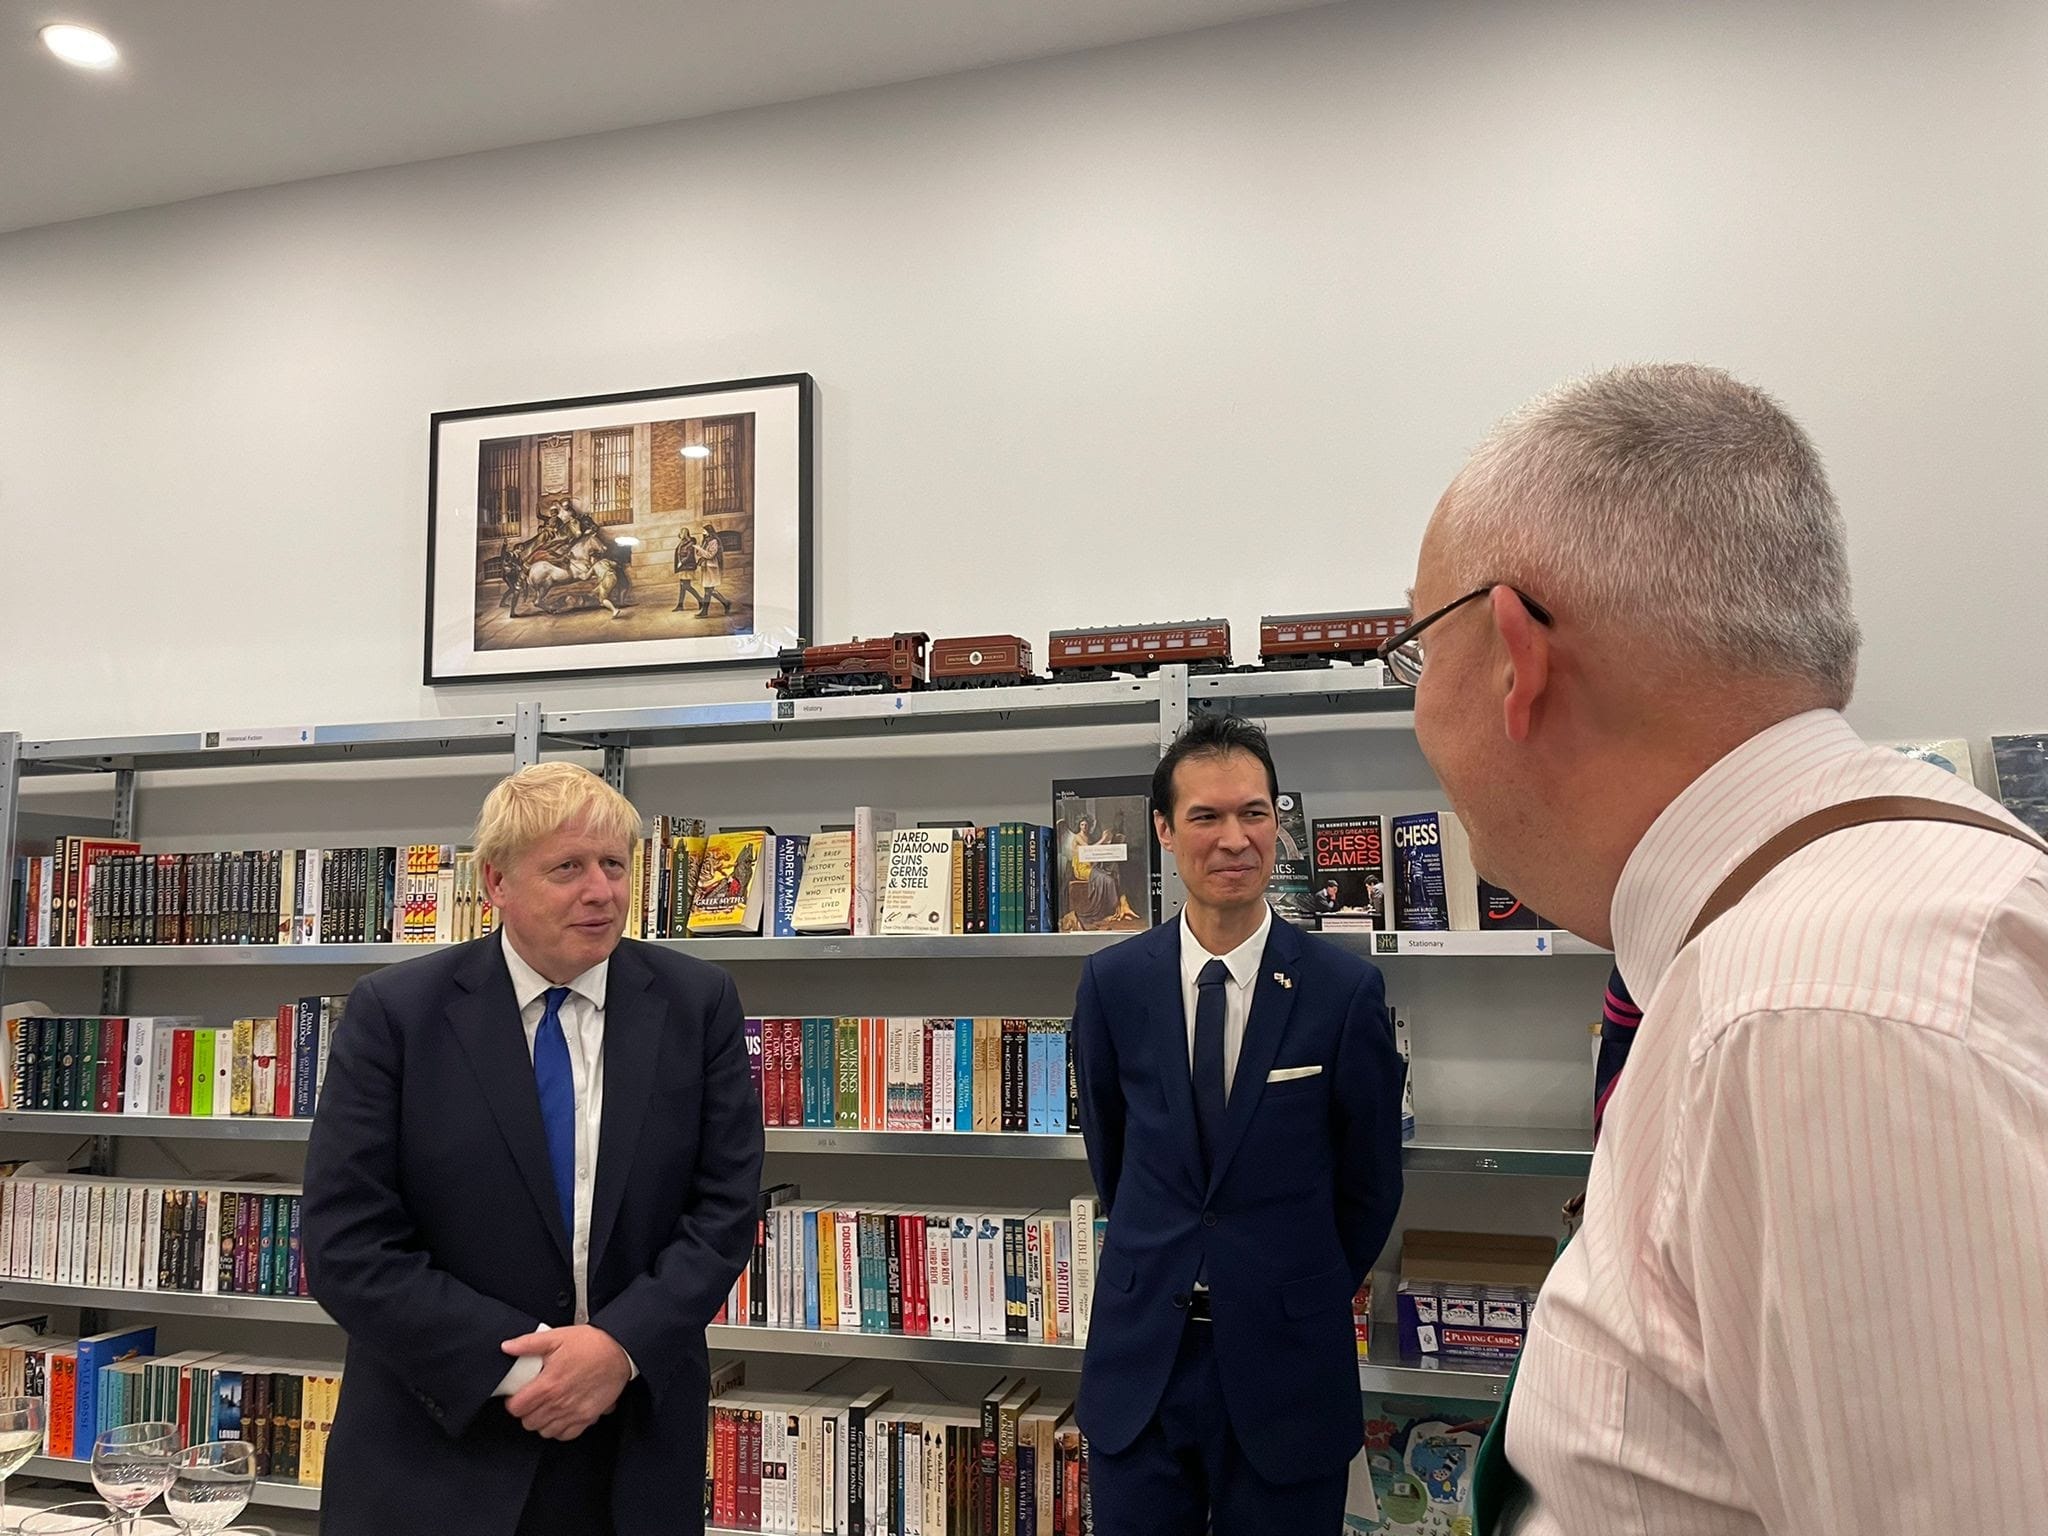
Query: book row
(271,1066)
(1013,1464)
(916,1074)
(81,1229)
(869,877)
(1023,1276)
(104,891)
(283,1408)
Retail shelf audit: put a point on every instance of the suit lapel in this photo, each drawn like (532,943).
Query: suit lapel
(633,1018)
(1272,1005)
(485,1013)
(1169,1028)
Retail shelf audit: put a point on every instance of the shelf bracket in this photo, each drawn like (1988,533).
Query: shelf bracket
(526,737)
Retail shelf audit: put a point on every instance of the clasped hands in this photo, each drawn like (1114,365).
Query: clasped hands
(583,1371)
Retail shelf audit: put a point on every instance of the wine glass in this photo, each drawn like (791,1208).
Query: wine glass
(210,1485)
(21,1436)
(131,1466)
(89,1518)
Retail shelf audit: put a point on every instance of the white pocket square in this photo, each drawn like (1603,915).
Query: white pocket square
(1289,1074)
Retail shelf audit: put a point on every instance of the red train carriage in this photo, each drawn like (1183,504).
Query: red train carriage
(894,665)
(981,661)
(1139,649)
(1289,640)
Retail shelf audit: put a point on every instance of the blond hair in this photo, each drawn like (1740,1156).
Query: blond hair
(524,807)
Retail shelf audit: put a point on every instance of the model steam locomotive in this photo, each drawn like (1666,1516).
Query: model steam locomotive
(911,661)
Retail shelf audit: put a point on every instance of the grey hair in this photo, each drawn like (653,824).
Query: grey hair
(1673,500)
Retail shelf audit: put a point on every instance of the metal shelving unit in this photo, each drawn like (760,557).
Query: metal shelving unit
(268,1309)
(1154,708)
(42,1122)
(273,1495)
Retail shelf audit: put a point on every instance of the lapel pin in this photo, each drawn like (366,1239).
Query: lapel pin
(1284,979)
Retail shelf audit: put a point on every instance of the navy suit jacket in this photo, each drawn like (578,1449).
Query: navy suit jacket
(432,1233)
(1302,1195)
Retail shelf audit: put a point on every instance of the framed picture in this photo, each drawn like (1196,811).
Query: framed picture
(620,533)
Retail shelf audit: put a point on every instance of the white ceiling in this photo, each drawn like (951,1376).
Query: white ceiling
(215,95)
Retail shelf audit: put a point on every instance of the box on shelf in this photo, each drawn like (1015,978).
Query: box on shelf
(1468,1295)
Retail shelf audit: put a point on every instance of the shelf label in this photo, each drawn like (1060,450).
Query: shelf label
(265,736)
(1528,941)
(847,708)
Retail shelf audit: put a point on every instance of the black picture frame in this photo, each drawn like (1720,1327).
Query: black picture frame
(550,523)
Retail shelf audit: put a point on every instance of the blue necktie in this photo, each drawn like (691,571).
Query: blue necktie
(557,1086)
(1209,1097)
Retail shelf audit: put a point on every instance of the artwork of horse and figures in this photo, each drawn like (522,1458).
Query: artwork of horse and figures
(663,528)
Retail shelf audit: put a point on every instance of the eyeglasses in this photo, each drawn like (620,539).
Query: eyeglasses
(1403,652)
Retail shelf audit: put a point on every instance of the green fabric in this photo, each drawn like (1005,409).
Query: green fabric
(1496,1485)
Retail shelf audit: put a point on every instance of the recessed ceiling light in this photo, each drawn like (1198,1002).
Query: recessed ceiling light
(696,451)
(79,45)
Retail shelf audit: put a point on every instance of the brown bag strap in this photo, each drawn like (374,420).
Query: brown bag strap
(1837,818)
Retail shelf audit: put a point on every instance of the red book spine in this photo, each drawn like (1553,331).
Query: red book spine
(771,1071)
(792,1072)
(287,1028)
(722,1502)
(181,1072)
(924,1108)
(750,1471)
(113,1065)
(248,1236)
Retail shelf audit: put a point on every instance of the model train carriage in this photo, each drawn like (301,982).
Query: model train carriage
(981,661)
(1082,654)
(1289,640)
(894,665)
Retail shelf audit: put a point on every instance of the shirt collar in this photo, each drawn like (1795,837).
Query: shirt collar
(1716,822)
(1242,962)
(528,984)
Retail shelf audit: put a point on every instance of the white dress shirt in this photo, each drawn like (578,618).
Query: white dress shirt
(1243,965)
(582,1016)
(1811,1292)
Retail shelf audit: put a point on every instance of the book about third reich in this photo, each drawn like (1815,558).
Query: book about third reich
(1108,854)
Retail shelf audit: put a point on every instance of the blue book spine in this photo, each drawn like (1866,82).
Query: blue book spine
(305,1053)
(810,1269)
(963,1074)
(95,1355)
(813,1100)
(1034,880)
(1035,1043)
(1056,1077)
(228,1398)
(790,853)
(1421,903)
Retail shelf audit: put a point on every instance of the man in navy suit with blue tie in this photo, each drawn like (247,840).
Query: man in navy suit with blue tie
(1241,1101)
(531,1182)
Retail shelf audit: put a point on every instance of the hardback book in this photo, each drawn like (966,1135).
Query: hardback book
(1350,872)
(917,891)
(1435,886)
(1107,880)
(790,854)
(1287,890)
(1500,909)
(825,896)
(1951,754)
(2022,766)
(871,832)
(730,884)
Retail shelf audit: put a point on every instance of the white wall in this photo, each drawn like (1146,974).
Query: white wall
(1172,329)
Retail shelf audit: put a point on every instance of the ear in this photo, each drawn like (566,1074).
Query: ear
(1527,678)
(494,883)
(1164,828)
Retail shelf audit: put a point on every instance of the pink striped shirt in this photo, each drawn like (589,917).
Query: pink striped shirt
(1811,1292)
